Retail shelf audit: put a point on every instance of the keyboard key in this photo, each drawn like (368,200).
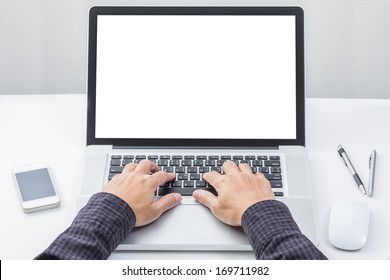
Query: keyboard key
(263,169)
(271,163)
(176,184)
(198,162)
(250,157)
(174,162)
(188,184)
(186,162)
(204,169)
(273,177)
(116,169)
(226,157)
(128,157)
(274,157)
(165,157)
(115,162)
(210,162)
(126,161)
(182,191)
(162,162)
(200,184)
(182,176)
(278,193)
(257,163)
(194,176)
(238,157)
(192,169)
(276,184)
(213,157)
(180,169)
(189,157)
(116,157)
(201,157)
(152,157)
(276,170)
(140,157)
(262,157)
(177,157)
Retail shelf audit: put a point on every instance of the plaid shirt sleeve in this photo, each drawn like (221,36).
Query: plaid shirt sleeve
(273,233)
(106,220)
(95,232)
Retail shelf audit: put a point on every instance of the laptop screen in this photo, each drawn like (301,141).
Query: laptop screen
(196,76)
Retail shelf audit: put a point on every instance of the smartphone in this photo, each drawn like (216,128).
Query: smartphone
(35,187)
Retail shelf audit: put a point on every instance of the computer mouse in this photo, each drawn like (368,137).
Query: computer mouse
(348,225)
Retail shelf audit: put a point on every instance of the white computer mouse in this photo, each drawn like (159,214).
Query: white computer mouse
(348,225)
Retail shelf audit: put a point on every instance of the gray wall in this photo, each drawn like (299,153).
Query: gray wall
(43,45)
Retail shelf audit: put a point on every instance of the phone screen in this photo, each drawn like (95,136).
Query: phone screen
(35,184)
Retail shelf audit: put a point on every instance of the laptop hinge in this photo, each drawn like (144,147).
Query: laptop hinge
(197,148)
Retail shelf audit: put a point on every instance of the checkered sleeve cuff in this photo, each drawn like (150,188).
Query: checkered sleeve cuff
(96,231)
(273,233)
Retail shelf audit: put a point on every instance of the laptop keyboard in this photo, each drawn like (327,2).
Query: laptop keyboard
(189,170)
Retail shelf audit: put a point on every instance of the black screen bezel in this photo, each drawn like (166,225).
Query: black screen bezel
(94,12)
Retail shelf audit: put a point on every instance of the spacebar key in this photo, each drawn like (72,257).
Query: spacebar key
(182,191)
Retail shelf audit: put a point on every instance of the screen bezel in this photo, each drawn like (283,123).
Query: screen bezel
(94,12)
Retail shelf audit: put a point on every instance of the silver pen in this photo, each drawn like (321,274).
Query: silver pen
(371,165)
(348,163)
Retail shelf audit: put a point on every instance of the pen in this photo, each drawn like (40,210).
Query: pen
(348,163)
(371,165)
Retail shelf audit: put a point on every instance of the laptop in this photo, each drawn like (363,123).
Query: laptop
(189,88)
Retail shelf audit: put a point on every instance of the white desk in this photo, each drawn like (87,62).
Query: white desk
(51,128)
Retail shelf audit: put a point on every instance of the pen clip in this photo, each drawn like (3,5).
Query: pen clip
(369,162)
(341,151)
(345,162)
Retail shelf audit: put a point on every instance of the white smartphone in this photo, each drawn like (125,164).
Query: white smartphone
(35,187)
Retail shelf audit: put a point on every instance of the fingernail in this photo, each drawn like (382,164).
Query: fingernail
(178,198)
(195,194)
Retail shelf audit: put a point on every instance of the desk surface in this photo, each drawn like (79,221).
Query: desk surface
(51,128)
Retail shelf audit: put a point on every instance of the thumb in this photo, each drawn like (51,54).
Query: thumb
(167,202)
(206,198)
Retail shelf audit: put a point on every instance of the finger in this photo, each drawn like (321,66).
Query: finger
(229,167)
(129,167)
(167,202)
(262,177)
(212,178)
(161,177)
(245,168)
(206,198)
(145,166)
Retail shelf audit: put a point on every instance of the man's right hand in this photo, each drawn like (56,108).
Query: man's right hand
(238,189)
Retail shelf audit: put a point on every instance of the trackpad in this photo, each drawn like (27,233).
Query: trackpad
(187,224)
(192,221)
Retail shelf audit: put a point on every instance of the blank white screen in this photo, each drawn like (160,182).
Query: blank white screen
(196,77)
